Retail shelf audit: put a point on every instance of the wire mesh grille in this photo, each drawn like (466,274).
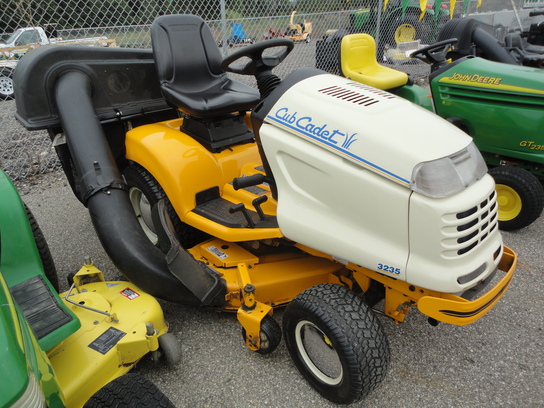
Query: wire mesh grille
(316,26)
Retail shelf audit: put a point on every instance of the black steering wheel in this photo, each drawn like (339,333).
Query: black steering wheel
(434,53)
(258,63)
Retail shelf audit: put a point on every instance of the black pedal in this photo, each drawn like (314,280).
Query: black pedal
(240,208)
(40,307)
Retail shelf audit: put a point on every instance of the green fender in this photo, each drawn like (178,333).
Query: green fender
(416,94)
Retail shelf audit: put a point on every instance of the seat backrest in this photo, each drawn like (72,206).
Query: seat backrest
(357,53)
(358,62)
(183,45)
(513,40)
(188,64)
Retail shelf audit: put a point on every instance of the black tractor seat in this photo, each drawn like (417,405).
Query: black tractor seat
(188,63)
(531,55)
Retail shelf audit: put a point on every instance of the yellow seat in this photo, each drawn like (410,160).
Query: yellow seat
(358,62)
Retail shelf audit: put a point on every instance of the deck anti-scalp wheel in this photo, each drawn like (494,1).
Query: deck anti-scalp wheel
(336,342)
(169,349)
(270,335)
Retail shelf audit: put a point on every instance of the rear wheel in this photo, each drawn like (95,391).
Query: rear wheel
(407,29)
(336,342)
(520,197)
(129,391)
(6,83)
(144,193)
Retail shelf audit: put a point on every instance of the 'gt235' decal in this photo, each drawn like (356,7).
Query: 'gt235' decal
(390,269)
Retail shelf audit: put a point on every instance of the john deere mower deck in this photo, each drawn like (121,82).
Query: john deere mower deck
(62,350)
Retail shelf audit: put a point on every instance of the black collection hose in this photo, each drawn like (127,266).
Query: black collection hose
(491,47)
(105,195)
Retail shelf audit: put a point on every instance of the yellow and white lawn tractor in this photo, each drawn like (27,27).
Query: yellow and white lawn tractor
(317,192)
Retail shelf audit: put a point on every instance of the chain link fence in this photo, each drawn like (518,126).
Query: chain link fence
(316,26)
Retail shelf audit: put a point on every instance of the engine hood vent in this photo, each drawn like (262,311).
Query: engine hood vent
(355,96)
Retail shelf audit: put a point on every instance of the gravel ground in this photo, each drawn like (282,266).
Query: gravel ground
(496,362)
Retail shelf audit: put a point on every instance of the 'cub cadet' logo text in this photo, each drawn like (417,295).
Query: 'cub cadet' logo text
(306,125)
(477,78)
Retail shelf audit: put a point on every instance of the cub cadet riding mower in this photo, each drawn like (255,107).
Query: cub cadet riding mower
(499,105)
(58,351)
(325,206)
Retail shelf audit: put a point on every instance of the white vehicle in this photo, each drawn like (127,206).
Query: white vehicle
(25,39)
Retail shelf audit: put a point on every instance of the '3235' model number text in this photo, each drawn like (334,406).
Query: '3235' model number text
(387,268)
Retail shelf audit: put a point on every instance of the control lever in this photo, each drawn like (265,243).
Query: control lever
(257,204)
(240,208)
(253,180)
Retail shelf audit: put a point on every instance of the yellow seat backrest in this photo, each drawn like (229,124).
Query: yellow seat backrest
(358,62)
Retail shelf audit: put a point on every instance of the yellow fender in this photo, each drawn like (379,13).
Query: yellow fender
(181,165)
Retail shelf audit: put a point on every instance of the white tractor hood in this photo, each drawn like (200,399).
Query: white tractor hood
(376,129)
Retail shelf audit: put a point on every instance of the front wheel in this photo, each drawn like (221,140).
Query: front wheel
(129,391)
(43,250)
(336,342)
(520,197)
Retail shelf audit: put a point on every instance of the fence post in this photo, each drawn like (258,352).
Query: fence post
(224,28)
(379,21)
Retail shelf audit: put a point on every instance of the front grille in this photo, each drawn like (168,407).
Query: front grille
(473,225)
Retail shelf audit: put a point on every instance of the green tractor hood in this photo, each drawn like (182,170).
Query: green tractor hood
(500,105)
(480,75)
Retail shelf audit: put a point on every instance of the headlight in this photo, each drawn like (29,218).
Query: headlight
(32,397)
(448,175)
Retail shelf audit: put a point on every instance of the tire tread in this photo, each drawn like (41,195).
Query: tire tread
(356,330)
(137,176)
(528,188)
(129,391)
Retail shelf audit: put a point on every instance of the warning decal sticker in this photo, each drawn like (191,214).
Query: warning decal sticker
(217,252)
(129,293)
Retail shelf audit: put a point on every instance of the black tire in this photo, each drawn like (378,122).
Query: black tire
(129,391)
(6,83)
(170,349)
(270,335)
(43,250)
(520,197)
(144,193)
(351,338)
